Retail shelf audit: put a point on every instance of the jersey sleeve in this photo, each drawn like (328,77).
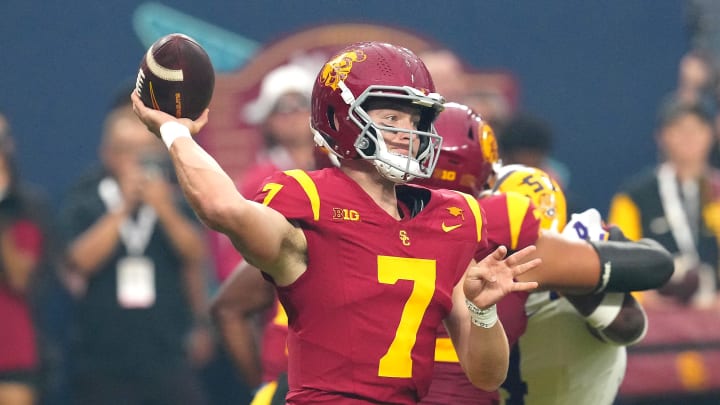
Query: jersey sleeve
(512,221)
(293,193)
(481,229)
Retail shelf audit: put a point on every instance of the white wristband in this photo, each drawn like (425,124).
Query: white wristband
(484,318)
(172,130)
(606,311)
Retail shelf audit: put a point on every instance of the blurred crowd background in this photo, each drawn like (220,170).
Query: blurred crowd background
(618,100)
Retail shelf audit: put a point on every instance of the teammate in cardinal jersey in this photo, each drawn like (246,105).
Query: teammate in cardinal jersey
(366,266)
(529,201)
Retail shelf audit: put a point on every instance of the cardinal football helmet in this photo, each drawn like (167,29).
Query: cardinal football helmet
(544,192)
(469,152)
(368,72)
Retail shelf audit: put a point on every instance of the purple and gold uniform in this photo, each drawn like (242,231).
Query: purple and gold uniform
(511,222)
(363,317)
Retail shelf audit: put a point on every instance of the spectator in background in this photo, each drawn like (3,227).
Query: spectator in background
(447,71)
(528,140)
(493,106)
(141,321)
(450,76)
(715,152)
(282,112)
(697,81)
(677,203)
(454,80)
(24,254)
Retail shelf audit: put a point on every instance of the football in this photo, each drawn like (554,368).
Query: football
(176,76)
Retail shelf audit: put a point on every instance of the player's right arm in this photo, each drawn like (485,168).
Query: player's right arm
(264,236)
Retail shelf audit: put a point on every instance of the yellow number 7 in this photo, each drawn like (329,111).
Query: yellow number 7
(397,361)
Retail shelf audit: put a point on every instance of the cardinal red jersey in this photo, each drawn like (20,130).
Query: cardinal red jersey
(511,222)
(362,317)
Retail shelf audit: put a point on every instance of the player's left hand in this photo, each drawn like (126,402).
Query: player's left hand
(153,119)
(492,278)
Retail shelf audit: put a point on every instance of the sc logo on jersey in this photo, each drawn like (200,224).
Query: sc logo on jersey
(345,214)
(404,238)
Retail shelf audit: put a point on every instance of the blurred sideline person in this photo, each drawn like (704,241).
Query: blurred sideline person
(677,203)
(360,260)
(281,111)
(447,71)
(24,255)
(527,140)
(452,80)
(697,82)
(468,163)
(141,321)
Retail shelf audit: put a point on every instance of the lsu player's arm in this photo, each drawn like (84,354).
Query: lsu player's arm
(264,236)
(517,225)
(582,267)
(615,318)
(242,296)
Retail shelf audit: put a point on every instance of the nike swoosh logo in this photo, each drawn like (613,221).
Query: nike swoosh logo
(450,228)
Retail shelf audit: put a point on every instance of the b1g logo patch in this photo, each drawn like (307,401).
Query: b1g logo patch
(345,214)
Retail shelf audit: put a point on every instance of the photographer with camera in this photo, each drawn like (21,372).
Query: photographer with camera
(141,321)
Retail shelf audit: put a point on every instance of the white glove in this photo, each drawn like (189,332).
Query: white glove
(587,225)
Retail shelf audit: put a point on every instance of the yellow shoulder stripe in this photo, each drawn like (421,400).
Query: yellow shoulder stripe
(517,206)
(308,185)
(475,208)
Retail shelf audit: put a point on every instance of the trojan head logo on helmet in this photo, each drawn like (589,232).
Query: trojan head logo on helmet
(367,73)
(469,151)
(544,192)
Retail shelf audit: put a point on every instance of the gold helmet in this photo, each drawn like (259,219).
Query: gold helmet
(545,193)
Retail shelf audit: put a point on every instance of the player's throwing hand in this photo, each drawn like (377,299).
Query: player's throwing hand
(153,119)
